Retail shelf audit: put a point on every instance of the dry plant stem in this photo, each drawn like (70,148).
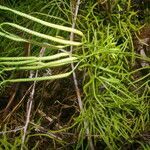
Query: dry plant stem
(27,122)
(44,115)
(11,99)
(74,18)
(71,50)
(5,111)
(30,101)
(10,131)
(41,129)
(8,116)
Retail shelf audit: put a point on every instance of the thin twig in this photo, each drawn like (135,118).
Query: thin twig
(22,99)
(11,99)
(71,50)
(74,18)
(10,131)
(30,102)
(41,129)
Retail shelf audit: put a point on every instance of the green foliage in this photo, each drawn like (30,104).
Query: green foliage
(113,109)
(6,144)
(9,142)
(115,103)
(32,63)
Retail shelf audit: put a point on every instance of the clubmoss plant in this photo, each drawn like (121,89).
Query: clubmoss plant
(31,63)
(114,112)
(115,101)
